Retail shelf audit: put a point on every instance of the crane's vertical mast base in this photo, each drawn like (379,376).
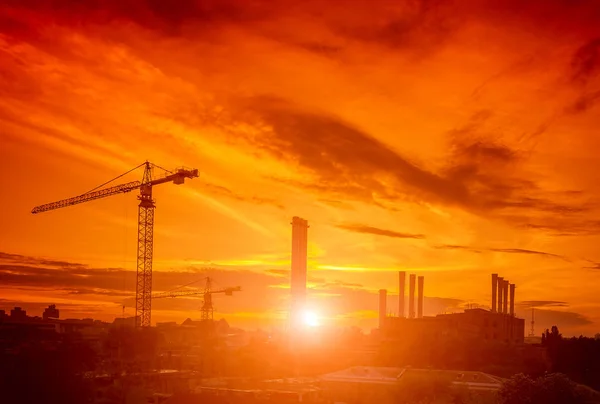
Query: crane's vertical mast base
(206,313)
(143,294)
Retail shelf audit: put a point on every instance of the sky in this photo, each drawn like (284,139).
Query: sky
(450,139)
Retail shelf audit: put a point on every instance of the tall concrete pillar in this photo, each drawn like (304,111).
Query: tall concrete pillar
(382,307)
(505,297)
(411,295)
(299,267)
(494,291)
(500,293)
(421,281)
(401,288)
(512,299)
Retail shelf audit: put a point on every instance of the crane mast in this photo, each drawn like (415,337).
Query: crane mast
(145,246)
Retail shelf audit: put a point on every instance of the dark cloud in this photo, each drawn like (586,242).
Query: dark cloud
(565,320)
(594,265)
(492,172)
(586,61)
(498,250)
(96,291)
(584,103)
(360,228)
(419,26)
(482,176)
(74,279)
(528,304)
(345,159)
(522,251)
(168,18)
(21,259)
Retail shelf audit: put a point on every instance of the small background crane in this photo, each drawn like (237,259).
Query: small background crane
(207,309)
(143,293)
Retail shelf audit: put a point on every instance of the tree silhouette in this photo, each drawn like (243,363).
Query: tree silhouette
(551,388)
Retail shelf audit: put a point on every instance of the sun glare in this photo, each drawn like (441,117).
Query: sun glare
(310,319)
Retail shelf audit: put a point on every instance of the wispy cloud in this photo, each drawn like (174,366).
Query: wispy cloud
(360,228)
(541,303)
(499,250)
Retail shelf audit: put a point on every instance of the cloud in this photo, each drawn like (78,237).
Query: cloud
(522,251)
(360,228)
(498,250)
(70,279)
(565,320)
(482,176)
(528,304)
(595,265)
(584,103)
(345,159)
(224,191)
(585,63)
(21,259)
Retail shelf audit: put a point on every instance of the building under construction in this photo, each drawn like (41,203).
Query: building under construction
(498,324)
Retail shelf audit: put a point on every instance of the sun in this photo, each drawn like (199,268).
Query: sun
(310,319)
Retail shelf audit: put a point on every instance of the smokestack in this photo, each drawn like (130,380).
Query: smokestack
(421,281)
(500,294)
(411,295)
(401,288)
(298,276)
(494,290)
(505,297)
(512,299)
(382,307)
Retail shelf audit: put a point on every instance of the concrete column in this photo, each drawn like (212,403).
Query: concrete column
(299,266)
(411,295)
(494,291)
(500,294)
(421,281)
(401,288)
(512,299)
(382,307)
(505,297)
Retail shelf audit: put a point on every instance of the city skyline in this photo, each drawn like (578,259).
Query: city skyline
(453,152)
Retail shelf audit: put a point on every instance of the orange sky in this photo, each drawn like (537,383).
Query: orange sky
(449,140)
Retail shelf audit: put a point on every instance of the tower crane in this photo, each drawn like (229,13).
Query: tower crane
(143,293)
(207,306)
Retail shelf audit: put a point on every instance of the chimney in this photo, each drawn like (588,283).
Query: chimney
(505,297)
(382,307)
(411,296)
(494,290)
(500,294)
(298,275)
(401,288)
(421,281)
(512,299)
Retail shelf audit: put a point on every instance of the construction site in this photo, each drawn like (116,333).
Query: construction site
(300,362)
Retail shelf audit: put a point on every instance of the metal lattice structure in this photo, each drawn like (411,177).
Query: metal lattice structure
(143,295)
(143,291)
(207,310)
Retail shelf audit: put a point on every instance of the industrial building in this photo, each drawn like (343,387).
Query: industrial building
(498,324)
